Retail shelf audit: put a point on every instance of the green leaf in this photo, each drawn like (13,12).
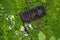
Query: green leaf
(52,38)
(41,36)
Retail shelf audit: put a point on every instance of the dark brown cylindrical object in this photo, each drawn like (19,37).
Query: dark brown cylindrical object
(33,14)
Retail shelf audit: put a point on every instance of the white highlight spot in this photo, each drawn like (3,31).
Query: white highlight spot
(9,27)
(2,8)
(11,16)
(26,24)
(16,33)
(6,18)
(14,23)
(26,34)
(22,28)
(30,26)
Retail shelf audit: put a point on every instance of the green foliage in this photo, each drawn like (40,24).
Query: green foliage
(11,23)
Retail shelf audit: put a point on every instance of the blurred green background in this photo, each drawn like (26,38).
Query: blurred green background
(11,23)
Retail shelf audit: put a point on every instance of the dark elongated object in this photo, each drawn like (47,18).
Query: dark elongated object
(33,14)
